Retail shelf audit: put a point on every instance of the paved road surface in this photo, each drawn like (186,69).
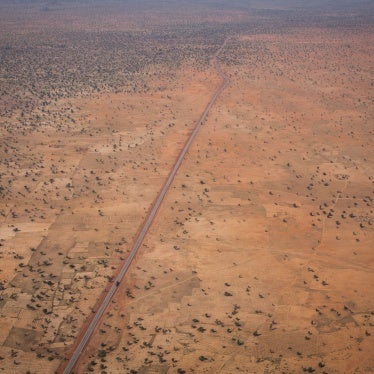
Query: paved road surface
(85,336)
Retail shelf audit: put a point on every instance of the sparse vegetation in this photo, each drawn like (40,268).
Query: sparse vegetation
(261,248)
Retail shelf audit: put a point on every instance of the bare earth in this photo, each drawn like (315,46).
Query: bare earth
(260,259)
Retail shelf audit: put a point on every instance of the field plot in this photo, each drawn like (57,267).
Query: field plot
(260,257)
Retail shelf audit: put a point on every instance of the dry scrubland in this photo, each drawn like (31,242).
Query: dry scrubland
(259,259)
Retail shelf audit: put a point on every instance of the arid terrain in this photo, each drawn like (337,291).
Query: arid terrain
(260,258)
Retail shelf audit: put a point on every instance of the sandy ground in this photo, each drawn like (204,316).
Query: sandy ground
(260,259)
(76,203)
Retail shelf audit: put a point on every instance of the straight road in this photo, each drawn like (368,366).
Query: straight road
(68,366)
